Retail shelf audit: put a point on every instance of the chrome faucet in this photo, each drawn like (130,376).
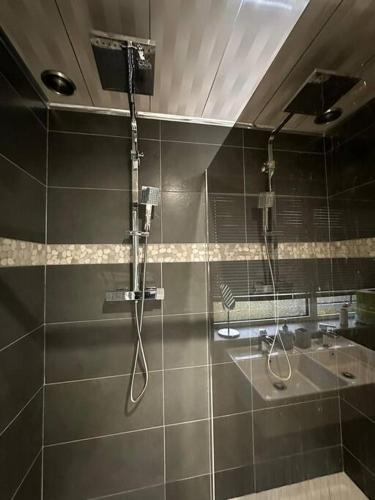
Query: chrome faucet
(264,341)
(329,334)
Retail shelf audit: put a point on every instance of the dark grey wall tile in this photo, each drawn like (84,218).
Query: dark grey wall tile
(80,160)
(284,141)
(234,483)
(18,75)
(99,348)
(231,390)
(323,462)
(351,164)
(99,467)
(360,396)
(22,301)
(296,429)
(358,435)
(352,213)
(101,123)
(296,468)
(148,493)
(22,204)
(183,165)
(31,487)
(185,288)
(24,138)
(353,273)
(363,478)
(19,445)
(184,218)
(88,216)
(187,489)
(21,374)
(279,472)
(99,407)
(186,394)
(187,450)
(193,132)
(77,292)
(226,218)
(92,216)
(233,441)
(226,173)
(296,174)
(301,219)
(185,340)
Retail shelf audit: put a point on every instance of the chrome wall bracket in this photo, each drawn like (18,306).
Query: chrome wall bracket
(123,295)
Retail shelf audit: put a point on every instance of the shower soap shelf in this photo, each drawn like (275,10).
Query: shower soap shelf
(123,295)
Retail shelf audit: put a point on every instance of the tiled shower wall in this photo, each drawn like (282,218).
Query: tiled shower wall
(258,444)
(23,146)
(352,204)
(109,445)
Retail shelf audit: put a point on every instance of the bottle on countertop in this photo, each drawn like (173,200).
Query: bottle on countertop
(344,316)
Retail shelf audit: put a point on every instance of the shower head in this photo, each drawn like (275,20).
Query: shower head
(111,52)
(328,116)
(150,196)
(319,93)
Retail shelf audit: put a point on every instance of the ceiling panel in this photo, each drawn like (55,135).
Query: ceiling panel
(344,44)
(307,28)
(258,33)
(130,17)
(191,37)
(36,30)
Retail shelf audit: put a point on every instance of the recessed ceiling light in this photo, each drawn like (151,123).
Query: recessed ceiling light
(58,82)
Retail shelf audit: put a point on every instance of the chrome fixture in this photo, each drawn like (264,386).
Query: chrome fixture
(127,65)
(58,82)
(264,341)
(150,197)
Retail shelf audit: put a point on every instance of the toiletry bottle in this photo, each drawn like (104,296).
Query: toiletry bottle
(344,316)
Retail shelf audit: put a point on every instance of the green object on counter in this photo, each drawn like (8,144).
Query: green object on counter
(366,306)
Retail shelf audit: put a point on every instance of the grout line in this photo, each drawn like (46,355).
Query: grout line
(360,462)
(358,410)
(22,169)
(102,436)
(142,429)
(21,338)
(104,377)
(148,487)
(20,411)
(364,184)
(84,188)
(27,473)
(303,453)
(45,307)
(209,334)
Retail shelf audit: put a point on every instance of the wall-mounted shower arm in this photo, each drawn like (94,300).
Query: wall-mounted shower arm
(269,165)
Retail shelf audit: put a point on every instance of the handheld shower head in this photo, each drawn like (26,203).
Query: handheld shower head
(150,197)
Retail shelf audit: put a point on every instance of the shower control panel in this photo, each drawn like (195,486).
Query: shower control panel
(123,295)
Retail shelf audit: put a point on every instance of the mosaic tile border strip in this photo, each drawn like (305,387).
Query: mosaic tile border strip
(24,253)
(21,253)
